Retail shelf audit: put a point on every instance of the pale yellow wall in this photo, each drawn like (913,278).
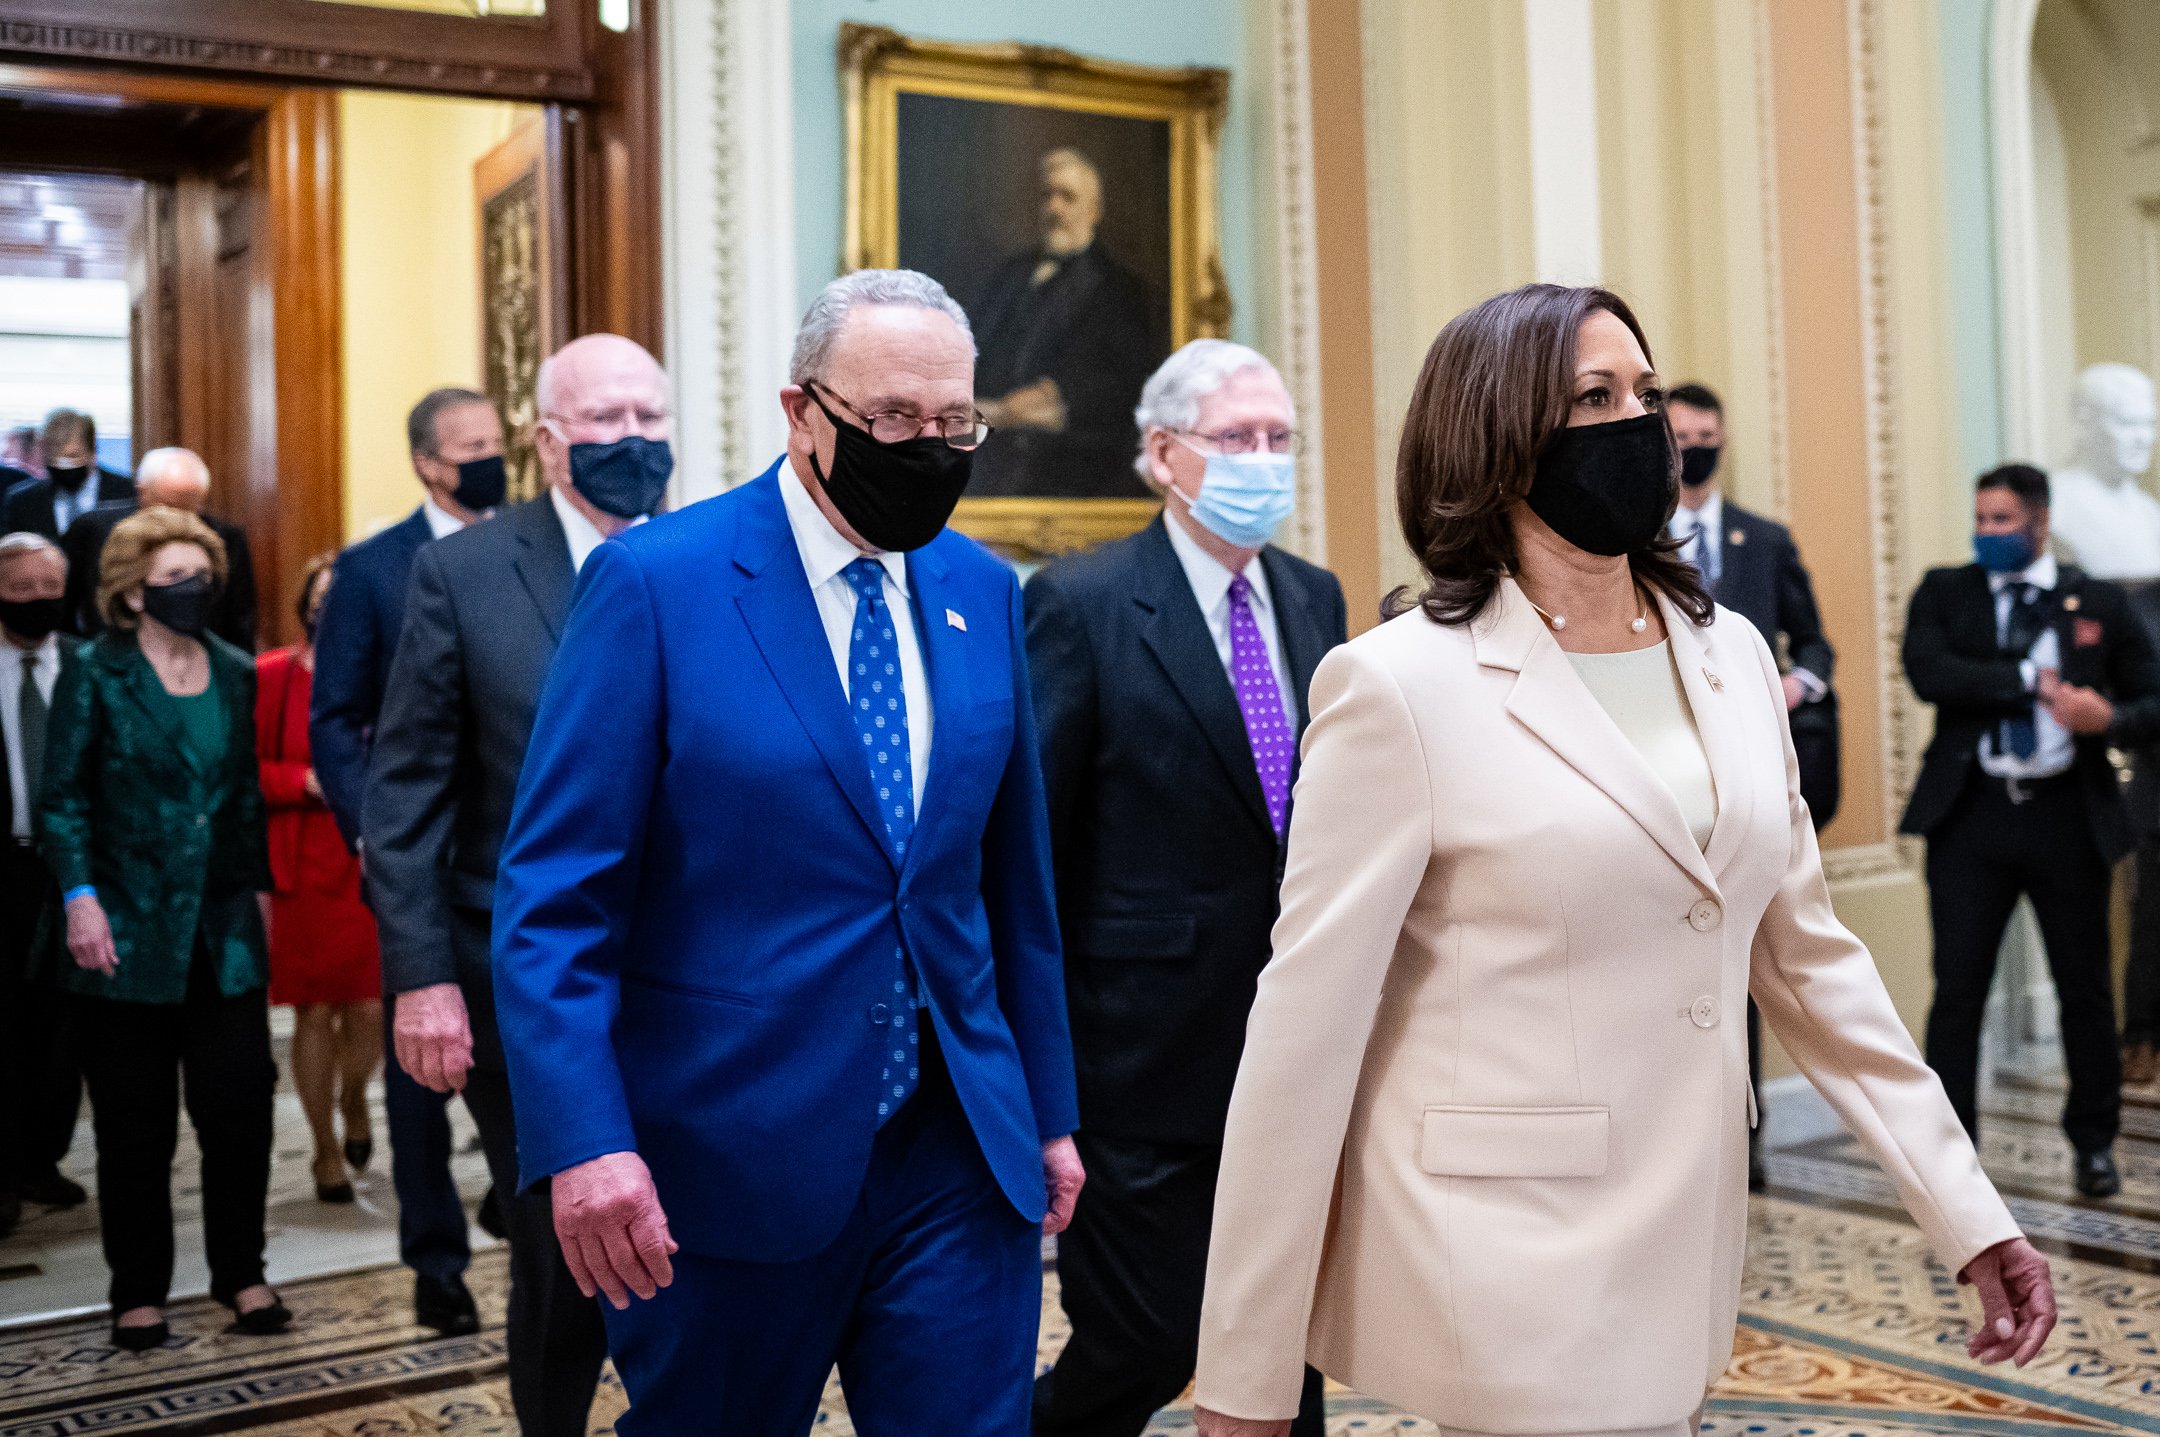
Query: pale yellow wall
(411,274)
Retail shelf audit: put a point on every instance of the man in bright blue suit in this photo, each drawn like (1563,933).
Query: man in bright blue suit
(777,960)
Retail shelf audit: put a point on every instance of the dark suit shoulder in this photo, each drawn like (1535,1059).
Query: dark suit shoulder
(489,542)
(1105,569)
(1942,581)
(1760,528)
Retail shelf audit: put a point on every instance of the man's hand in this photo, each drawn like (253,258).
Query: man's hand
(2017,1302)
(1062,1177)
(1214,1424)
(89,936)
(614,1236)
(313,786)
(433,1036)
(1795,693)
(2081,710)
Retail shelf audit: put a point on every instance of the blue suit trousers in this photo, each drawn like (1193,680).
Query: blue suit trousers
(929,1302)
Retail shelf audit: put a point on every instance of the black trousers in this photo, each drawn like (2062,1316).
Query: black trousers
(40,1085)
(556,1338)
(2141,985)
(1979,860)
(1130,1271)
(134,1056)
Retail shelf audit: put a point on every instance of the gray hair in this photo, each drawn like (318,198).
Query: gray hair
(24,541)
(1171,398)
(822,321)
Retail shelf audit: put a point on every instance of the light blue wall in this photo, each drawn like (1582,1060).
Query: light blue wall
(1153,32)
(1968,166)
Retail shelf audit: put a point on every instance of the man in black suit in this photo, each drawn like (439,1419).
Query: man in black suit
(40,1085)
(456,441)
(1065,339)
(74,483)
(1753,567)
(1170,673)
(482,620)
(2035,671)
(179,479)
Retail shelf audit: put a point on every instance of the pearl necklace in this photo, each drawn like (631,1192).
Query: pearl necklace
(1558,622)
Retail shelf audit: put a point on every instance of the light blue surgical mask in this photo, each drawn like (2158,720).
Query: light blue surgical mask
(1245,497)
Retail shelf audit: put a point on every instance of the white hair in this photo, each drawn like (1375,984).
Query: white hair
(1171,398)
(822,321)
(173,462)
(24,541)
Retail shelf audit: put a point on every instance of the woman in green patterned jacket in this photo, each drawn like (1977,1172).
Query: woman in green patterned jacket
(151,817)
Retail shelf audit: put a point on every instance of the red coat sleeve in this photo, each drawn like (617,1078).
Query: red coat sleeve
(284,780)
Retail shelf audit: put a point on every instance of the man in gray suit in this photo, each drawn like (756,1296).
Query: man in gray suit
(482,619)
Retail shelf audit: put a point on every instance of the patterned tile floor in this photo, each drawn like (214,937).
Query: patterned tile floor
(1849,1329)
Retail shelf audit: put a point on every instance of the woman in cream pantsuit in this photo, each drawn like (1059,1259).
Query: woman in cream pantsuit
(1487,1156)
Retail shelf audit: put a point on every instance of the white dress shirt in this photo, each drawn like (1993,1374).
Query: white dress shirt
(67,508)
(583,537)
(824,554)
(1211,586)
(1709,516)
(441,522)
(47,670)
(2057,747)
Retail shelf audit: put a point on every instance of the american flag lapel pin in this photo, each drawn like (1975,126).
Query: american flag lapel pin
(953,620)
(1717,685)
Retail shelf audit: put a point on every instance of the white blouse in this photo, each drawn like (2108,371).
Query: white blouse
(1640,691)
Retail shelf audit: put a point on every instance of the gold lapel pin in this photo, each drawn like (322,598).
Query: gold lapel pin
(2070,604)
(1717,685)
(1738,536)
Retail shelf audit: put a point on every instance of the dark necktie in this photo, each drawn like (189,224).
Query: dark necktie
(878,701)
(33,711)
(1259,700)
(2020,736)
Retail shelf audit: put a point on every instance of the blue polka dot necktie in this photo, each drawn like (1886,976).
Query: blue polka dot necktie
(878,701)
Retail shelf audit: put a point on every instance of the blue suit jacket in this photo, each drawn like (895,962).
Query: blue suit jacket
(354,643)
(696,908)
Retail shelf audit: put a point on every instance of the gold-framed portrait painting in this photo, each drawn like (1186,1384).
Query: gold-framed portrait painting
(1069,205)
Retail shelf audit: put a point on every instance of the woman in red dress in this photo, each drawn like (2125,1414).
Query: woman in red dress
(323,959)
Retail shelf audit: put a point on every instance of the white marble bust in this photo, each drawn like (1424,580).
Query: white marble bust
(2102,519)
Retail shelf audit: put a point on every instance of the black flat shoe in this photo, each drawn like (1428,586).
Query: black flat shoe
(140,1339)
(335,1193)
(445,1305)
(260,1321)
(2096,1174)
(49,1189)
(358,1151)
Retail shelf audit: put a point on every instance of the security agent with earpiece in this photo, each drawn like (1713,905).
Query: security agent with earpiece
(1170,672)
(2036,670)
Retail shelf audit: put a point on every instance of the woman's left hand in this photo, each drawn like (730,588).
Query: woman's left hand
(2017,1302)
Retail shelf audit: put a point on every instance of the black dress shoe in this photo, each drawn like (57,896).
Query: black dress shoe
(140,1339)
(49,1189)
(491,1217)
(260,1321)
(10,1213)
(2096,1174)
(446,1305)
(334,1193)
(358,1151)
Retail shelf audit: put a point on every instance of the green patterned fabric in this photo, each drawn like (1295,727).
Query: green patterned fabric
(161,810)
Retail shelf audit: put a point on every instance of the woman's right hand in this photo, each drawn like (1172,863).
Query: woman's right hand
(89,936)
(1215,1424)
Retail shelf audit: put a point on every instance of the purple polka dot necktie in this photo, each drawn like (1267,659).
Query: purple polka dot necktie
(878,702)
(1259,699)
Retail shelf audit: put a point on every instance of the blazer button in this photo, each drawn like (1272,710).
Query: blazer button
(880,1014)
(1704,916)
(1704,1012)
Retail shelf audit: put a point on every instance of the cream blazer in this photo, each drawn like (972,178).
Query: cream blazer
(1487,1153)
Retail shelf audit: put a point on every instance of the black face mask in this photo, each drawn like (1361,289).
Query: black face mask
(1606,488)
(31,619)
(897,496)
(481,484)
(627,478)
(182,606)
(1697,465)
(70,477)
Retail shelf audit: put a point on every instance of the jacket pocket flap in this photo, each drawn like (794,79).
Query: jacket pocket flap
(1515,1142)
(1156,936)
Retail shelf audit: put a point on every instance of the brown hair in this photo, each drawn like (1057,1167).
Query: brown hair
(135,540)
(309,573)
(1497,387)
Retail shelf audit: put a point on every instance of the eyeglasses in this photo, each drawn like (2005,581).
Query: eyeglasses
(1250,441)
(959,431)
